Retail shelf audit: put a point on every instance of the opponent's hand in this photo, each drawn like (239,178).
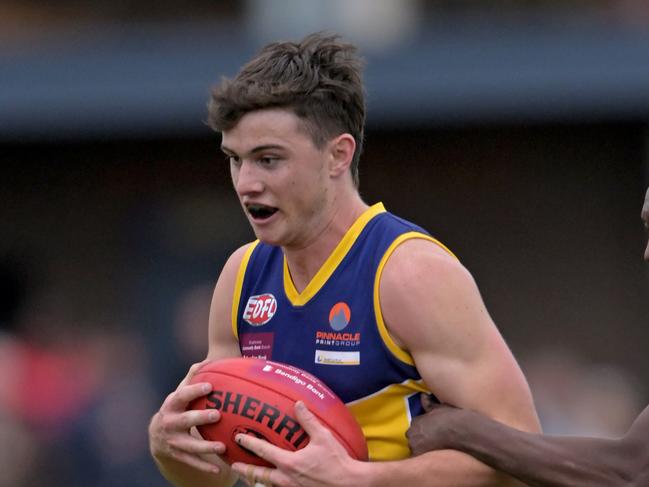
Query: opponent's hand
(170,430)
(323,462)
(434,430)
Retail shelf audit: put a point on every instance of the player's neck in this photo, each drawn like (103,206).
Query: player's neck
(304,262)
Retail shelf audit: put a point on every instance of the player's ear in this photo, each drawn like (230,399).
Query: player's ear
(342,150)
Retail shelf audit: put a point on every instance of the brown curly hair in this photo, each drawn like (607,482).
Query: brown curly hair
(318,78)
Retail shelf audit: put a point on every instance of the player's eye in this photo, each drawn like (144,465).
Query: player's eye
(268,161)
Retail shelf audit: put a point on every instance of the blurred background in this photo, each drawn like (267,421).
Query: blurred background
(515,132)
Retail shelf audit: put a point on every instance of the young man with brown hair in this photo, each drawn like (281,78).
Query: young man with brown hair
(292,126)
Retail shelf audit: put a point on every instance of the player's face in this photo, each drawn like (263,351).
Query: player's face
(280,176)
(645,219)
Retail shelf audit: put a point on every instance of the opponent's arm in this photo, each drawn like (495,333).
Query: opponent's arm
(432,308)
(535,459)
(182,456)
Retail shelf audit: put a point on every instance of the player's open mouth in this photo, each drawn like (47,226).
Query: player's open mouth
(260,212)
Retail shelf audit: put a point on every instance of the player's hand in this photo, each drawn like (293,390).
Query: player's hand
(435,429)
(170,430)
(323,462)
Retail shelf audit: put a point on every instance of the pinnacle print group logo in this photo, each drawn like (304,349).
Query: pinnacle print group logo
(339,316)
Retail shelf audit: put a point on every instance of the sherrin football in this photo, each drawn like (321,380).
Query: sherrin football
(257,397)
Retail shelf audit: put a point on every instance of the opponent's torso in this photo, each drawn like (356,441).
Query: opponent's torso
(334,328)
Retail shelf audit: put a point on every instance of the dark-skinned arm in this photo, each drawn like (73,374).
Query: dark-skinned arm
(537,460)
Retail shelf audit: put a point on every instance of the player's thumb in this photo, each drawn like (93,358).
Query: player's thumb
(428,402)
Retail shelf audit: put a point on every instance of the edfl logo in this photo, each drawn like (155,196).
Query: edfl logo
(260,309)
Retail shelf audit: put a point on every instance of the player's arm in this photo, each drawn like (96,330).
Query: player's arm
(182,456)
(432,308)
(535,459)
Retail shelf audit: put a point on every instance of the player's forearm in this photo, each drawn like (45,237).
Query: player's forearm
(440,468)
(546,460)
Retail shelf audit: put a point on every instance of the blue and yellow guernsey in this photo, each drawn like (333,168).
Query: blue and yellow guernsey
(334,328)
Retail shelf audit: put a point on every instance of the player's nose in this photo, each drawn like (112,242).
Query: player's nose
(247,179)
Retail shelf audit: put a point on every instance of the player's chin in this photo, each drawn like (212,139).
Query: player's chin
(269,236)
(268,239)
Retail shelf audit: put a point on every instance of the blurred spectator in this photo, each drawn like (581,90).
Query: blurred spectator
(75,398)
(109,440)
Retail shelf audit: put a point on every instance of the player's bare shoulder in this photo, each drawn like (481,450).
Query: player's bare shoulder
(423,267)
(425,290)
(222,341)
(233,263)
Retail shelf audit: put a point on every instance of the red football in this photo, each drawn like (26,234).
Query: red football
(258,397)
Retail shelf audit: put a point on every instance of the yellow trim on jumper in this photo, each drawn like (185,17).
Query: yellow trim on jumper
(396,350)
(332,262)
(238,284)
(385,417)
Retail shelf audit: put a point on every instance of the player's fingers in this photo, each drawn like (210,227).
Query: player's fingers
(309,422)
(431,405)
(171,423)
(263,449)
(193,391)
(192,418)
(192,372)
(195,461)
(428,402)
(179,399)
(195,445)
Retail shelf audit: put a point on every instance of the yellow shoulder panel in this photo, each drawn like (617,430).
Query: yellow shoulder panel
(236,296)
(396,350)
(385,417)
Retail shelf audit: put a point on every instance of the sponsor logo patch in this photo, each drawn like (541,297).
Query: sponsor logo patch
(260,309)
(337,339)
(257,345)
(339,316)
(330,357)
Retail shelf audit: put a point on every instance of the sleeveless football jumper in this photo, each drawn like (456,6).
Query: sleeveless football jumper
(334,328)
